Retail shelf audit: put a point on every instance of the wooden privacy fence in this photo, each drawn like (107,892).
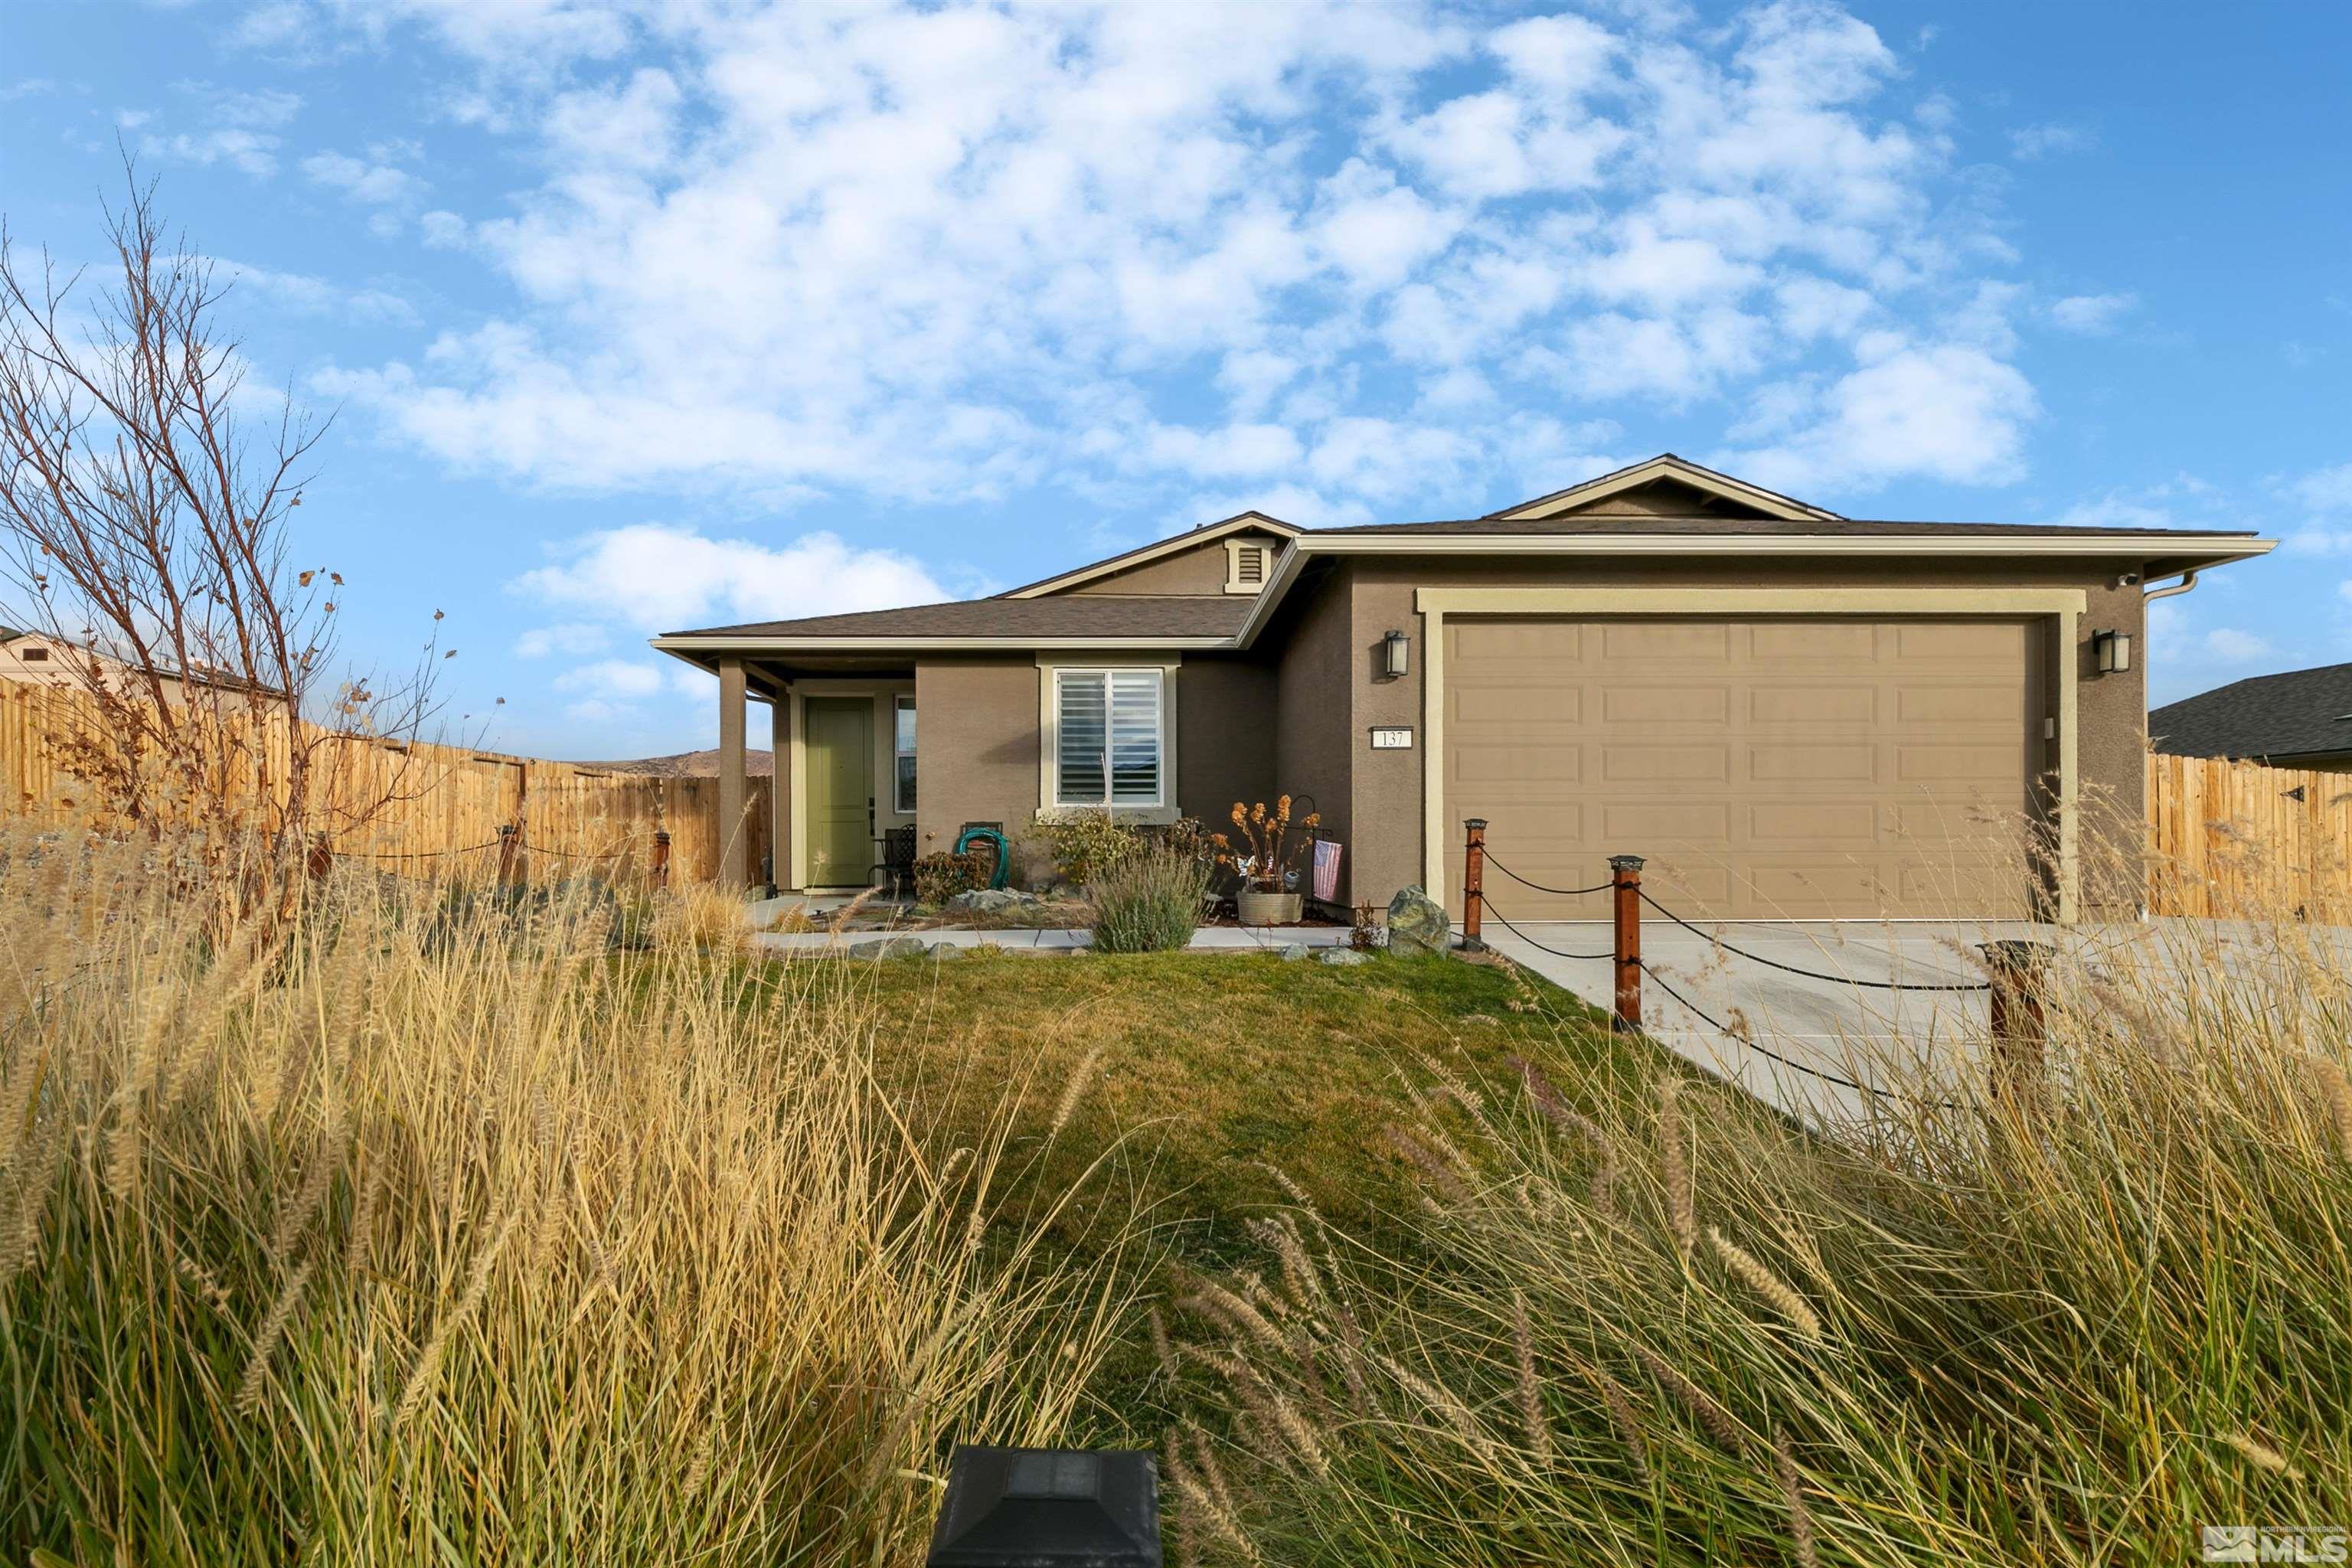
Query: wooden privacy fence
(450,806)
(2234,839)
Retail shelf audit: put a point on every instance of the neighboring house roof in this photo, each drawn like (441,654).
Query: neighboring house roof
(2294,713)
(1094,616)
(1126,560)
(199,675)
(1785,527)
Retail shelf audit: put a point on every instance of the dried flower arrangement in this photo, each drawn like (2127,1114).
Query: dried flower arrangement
(1270,862)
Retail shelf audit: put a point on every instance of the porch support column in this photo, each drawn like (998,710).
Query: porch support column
(734,843)
(779,782)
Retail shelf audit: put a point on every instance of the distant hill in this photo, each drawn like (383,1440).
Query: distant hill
(688,765)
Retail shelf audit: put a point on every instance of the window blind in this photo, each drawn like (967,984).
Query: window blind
(1106,746)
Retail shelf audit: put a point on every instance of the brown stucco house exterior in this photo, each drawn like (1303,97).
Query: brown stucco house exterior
(1791,713)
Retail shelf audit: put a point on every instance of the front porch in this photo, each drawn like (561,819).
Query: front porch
(842,733)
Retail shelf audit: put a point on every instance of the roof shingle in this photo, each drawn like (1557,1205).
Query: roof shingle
(1062,615)
(2294,713)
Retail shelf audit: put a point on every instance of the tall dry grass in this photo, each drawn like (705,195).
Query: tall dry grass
(420,1226)
(1646,1321)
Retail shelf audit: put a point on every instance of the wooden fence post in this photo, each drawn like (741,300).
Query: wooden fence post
(1474,883)
(509,854)
(1625,889)
(661,858)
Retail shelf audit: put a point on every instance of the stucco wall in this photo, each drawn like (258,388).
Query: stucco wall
(1315,678)
(976,741)
(2111,726)
(1225,727)
(979,738)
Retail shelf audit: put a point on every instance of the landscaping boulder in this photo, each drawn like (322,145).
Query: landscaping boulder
(891,947)
(1340,957)
(1292,952)
(944,950)
(992,900)
(1417,924)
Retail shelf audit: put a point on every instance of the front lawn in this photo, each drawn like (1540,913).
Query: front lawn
(1202,1070)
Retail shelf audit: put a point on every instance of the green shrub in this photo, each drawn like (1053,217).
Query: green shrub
(1150,902)
(1088,844)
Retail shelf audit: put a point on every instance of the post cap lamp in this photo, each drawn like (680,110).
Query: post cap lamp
(1048,1508)
(2113,650)
(1396,655)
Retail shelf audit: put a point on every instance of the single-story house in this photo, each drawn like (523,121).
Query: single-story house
(2296,719)
(39,658)
(1791,713)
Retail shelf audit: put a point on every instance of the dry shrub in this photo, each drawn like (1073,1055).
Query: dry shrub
(2070,1327)
(1150,902)
(417,1227)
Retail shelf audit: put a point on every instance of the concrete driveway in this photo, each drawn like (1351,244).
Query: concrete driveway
(1840,1027)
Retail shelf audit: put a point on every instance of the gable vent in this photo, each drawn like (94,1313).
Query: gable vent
(1245,566)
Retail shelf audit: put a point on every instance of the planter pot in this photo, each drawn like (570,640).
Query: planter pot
(1255,909)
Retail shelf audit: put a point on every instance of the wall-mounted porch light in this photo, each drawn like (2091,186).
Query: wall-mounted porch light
(1396,655)
(2114,651)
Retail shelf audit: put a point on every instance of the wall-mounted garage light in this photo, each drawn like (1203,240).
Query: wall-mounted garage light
(1396,655)
(2114,650)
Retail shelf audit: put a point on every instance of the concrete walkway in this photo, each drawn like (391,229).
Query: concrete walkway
(1845,1028)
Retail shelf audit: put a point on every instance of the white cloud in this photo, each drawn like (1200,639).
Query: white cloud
(2093,315)
(240,128)
(947,253)
(442,230)
(303,294)
(2325,489)
(373,184)
(656,577)
(1951,412)
(2028,143)
(2227,645)
(565,637)
(614,677)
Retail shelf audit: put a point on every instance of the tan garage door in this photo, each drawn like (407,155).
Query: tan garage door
(1767,768)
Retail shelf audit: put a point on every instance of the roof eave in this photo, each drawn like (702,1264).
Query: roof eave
(696,650)
(2160,556)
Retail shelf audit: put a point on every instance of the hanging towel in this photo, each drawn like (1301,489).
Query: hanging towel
(1326,870)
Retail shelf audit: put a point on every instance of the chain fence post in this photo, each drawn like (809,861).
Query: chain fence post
(1474,884)
(1625,889)
(2020,1032)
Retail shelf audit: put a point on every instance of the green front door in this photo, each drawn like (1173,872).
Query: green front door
(839,747)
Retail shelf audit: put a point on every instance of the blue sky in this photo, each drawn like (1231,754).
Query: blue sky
(649,315)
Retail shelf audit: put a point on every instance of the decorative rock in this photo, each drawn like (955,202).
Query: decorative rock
(1340,957)
(1417,924)
(992,900)
(891,947)
(946,950)
(1292,952)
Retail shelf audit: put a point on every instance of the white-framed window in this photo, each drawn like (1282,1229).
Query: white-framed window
(1110,737)
(902,758)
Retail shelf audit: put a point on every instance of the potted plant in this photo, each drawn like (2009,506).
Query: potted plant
(1267,861)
